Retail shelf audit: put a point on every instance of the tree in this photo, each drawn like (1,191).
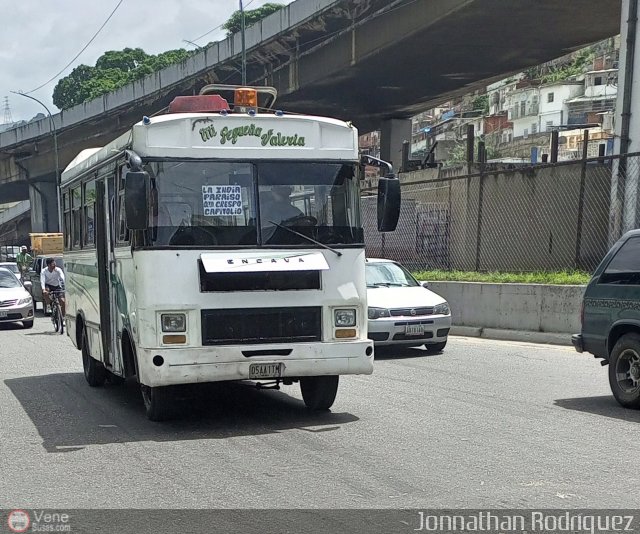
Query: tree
(125,60)
(114,69)
(234,24)
(481,103)
(458,154)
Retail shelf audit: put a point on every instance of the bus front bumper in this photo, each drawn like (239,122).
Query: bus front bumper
(163,366)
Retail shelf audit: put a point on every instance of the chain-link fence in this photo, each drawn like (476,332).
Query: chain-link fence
(544,217)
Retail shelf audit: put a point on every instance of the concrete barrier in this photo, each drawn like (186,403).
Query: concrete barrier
(521,312)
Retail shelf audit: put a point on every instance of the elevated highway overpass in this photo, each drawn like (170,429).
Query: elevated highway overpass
(374,62)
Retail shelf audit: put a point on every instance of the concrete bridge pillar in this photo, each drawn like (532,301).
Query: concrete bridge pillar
(393,132)
(625,184)
(44,206)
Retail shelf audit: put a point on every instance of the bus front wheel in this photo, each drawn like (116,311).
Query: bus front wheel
(157,402)
(94,372)
(319,392)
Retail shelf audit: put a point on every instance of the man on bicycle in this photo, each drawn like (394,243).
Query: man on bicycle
(23,259)
(52,279)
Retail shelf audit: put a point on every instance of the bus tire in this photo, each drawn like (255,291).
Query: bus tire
(319,392)
(94,372)
(157,402)
(115,380)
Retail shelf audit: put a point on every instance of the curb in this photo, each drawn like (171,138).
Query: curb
(549,338)
(466,331)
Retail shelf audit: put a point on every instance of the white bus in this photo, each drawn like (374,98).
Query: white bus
(221,242)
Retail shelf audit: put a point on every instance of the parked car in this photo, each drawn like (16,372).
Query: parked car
(33,275)
(16,303)
(13,267)
(402,311)
(611,318)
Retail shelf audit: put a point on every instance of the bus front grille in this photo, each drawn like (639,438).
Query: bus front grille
(261,325)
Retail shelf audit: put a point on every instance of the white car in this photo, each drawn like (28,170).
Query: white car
(13,267)
(16,303)
(402,311)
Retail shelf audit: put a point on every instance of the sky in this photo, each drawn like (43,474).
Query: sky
(39,38)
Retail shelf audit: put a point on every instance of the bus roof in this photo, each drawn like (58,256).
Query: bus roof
(228,137)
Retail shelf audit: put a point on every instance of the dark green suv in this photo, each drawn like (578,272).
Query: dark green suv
(611,318)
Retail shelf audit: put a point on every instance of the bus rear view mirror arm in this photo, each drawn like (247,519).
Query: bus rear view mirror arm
(136,200)
(370,161)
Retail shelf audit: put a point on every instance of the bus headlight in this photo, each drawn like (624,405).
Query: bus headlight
(174,322)
(345,318)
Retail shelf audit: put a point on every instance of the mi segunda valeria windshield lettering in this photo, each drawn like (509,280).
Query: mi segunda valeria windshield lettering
(221,204)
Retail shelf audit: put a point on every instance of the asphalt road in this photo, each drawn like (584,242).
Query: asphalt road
(484,424)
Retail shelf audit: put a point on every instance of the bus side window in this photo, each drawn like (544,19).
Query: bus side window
(76,215)
(89,212)
(122,230)
(67,222)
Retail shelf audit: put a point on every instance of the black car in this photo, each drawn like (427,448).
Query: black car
(611,318)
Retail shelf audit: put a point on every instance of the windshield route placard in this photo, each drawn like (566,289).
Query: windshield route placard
(222,200)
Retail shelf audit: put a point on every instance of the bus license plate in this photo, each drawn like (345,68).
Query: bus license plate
(414,330)
(265,370)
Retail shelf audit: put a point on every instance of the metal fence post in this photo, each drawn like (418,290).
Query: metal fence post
(555,138)
(470,145)
(406,147)
(479,228)
(482,152)
(583,178)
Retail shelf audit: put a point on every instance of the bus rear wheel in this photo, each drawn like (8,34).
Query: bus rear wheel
(157,402)
(319,392)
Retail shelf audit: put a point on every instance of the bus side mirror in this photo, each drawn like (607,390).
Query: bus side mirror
(136,200)
(388,203)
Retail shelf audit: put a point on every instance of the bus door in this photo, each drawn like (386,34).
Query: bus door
(103,247)
(119,259)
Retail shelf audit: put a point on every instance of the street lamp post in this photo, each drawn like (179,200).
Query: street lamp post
(244,49)
(55,149)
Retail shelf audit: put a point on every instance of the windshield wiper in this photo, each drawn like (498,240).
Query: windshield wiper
(336,252)
(387,284)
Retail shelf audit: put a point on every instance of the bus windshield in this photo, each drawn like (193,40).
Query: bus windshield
(216,203)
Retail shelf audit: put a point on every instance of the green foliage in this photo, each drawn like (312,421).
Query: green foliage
(114,69)
(251,16)
(579,65)
(481,103)
(458,154)
(538,277)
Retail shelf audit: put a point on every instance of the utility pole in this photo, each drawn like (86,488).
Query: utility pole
(244,48)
